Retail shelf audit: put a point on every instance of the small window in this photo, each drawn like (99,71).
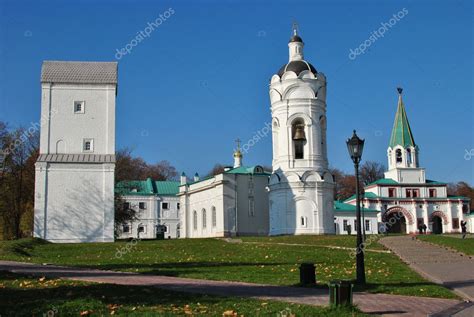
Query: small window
(455,223)
(204,218)
(367,225)
(344,225)
(465,208)
(195,220)
(303,221)
(177,206)
(408,193)
(126,229)
(214,217)
(141,229)
(432,192)
(141,205)
(88,145)
(391,192)
(251,207)
(165,206)
(355,225)
(79,106)
(126,206)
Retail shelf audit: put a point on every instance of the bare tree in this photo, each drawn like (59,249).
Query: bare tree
(371,171)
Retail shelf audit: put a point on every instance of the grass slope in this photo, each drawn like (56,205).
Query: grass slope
(219,260)
(55,297)
(465,246)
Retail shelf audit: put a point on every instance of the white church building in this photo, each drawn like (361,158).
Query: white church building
(405,198)
(74,180)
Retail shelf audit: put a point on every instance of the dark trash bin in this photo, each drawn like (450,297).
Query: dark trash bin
(307,274)
(340,292)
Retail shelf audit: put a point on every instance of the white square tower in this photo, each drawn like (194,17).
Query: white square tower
(74,185)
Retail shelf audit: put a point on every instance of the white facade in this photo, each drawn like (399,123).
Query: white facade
(156,207)
(345,219)
(233,203)
(301,186)
(405,198)
(74,185)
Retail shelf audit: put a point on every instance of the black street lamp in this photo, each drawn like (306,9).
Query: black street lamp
(355,145)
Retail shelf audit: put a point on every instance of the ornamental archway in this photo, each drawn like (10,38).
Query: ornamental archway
(441,215)
(396,220)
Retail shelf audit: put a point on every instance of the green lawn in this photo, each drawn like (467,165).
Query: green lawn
(38,296)
(219,260)
(465,246)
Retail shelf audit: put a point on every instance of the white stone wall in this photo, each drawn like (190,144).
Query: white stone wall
(350,217)
(228,195)
(170,217)
(300,188)
(74,202)
(97,122)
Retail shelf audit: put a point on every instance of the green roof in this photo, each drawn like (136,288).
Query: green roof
(167,188)
(339,206)
(147,188)
(384,181)
(366,195)
(247,170)
(135,188)
(401,132)
(432,182)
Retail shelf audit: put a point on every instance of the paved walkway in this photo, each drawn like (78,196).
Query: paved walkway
(383,304)
(436,263)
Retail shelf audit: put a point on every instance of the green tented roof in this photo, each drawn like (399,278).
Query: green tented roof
(339,206)
(401,132)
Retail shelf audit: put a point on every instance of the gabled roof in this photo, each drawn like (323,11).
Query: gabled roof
(339,206)
(79,72)
(401,132)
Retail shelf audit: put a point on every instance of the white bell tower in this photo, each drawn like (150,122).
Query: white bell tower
(301,187)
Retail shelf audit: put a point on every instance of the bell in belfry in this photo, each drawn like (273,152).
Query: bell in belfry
(299,133)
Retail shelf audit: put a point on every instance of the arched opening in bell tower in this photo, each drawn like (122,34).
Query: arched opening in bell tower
(299,138)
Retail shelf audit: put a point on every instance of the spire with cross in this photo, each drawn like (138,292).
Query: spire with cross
(295,27)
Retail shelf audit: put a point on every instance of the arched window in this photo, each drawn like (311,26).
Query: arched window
(398,155)
(195,220)
(204,218)
(299,138)
(409,160)
(214,217)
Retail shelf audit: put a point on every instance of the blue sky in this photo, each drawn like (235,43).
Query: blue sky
(201,79)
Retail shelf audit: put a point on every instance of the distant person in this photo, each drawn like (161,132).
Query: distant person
(424,228)
(463,229)
(420,229)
